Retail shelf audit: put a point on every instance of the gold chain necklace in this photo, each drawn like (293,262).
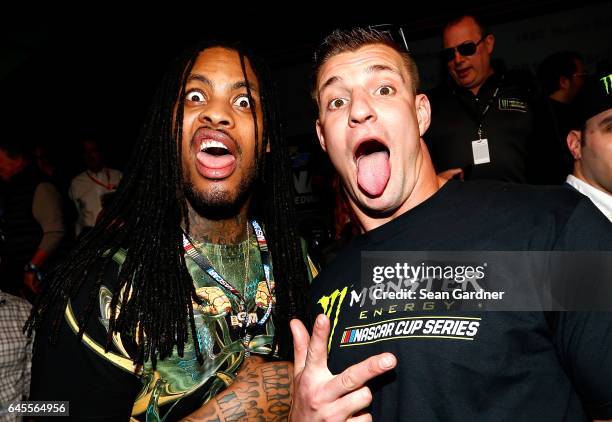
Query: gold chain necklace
(247,267)
(243,319)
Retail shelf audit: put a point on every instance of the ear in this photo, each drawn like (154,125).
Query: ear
(489,43)
(320,135)
(574,143)
(564,83)
(423,112)
(268,147)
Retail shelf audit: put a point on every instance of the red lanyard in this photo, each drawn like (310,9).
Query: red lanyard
(107,185)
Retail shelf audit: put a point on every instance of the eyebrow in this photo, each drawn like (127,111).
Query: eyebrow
(384,68)
(200,78)
(244,84)
(370,69)
(330,81)
(237,85)
(605,122)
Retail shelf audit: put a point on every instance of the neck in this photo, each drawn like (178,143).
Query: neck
(560,96)
(475,89)
(426,184)
(228,231)
(587,178)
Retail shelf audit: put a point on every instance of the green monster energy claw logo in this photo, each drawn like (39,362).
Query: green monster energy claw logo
(328,303)
(607,81)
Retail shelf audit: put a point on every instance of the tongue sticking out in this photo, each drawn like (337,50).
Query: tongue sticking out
(373,171)
(215,166)
(215,161)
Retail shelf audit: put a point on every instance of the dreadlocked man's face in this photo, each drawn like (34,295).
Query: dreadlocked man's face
(219,163)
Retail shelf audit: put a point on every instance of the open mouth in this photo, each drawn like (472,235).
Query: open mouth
(215,159)
(373,167)
(215,148)
(370,147)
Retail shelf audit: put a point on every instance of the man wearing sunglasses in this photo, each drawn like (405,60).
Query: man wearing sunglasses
(483,121)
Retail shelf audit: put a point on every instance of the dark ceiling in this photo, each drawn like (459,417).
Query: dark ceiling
(96,71)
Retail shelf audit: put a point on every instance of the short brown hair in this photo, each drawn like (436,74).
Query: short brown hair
(455,19)
(341,41)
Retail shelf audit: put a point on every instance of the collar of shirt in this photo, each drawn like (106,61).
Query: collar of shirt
(601,199)
(486,90)
(101,173)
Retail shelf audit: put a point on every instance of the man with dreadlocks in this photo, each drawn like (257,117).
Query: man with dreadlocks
(178,257)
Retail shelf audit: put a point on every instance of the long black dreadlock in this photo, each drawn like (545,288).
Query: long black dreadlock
(144,219)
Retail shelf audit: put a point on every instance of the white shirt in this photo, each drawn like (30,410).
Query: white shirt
(601,199)
(87,189)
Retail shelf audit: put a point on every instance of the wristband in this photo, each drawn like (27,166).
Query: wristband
(31,268)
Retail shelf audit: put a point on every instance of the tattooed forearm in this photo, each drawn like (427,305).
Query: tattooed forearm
(277,386)
(261,392)
(205,414)
(232,408)
(241,404)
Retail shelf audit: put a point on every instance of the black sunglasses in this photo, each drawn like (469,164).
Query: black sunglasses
(465,49)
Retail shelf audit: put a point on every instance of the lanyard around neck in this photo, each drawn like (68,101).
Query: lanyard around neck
(108,185)
(207,267)
(480,116)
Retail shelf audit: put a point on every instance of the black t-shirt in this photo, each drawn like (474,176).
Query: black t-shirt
(519,366)
(508,125)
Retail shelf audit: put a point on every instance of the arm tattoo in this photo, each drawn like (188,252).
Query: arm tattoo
(241,404)
(205,415)
(261,392)
(231,407)
(277,386)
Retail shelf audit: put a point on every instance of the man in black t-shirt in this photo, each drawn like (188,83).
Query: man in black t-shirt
(461,364)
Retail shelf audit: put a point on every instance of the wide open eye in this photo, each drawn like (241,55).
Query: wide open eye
(242,101)
(385,90)
(336,103)
(195,96)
